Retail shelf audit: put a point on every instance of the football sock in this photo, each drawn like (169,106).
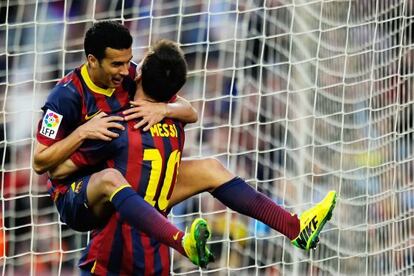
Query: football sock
(239,196)
(141,215)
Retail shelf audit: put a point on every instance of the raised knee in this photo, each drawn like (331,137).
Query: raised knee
(213,165)
(219,173)
(111,179)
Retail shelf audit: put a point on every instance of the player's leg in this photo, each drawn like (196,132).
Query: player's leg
(197,176)
(109,186)
(208,174)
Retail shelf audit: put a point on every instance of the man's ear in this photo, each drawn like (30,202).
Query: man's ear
(138,72)
(93,62)
(138,77)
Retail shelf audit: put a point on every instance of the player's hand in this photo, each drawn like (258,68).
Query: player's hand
(98,127)
(148,112)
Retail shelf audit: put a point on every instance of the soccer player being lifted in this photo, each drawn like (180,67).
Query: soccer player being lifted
(213,177)
(75,112)
(148,161)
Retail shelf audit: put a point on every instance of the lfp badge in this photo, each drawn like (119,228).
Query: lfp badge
(50,124)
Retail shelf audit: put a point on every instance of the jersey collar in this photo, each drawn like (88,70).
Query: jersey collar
(85,75)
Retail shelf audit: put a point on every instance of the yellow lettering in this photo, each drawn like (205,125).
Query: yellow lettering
(155,157)
(173,133)
(165,128)
(171,169)
(160,133)
(154,131)
(176,131)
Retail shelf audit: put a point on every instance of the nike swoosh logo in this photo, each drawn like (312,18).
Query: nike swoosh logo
(88,117)
(175,237)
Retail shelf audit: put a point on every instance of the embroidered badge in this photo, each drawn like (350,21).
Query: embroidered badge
(50,124)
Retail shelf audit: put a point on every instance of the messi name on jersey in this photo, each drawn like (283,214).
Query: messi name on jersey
(164,130)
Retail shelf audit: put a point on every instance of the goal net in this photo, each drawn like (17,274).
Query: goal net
(297,97)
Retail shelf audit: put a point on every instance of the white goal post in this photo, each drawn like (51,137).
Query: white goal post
(298,97)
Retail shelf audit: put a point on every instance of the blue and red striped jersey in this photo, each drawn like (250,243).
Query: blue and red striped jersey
(149,161)
(74,100)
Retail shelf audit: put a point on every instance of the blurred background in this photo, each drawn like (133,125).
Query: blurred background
(298,97)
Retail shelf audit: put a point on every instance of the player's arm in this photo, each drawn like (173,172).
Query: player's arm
(90,153)
(151,113)
(59,133)
(63,170)
(48,157)
(182,110)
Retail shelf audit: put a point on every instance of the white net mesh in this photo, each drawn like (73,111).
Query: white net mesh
(298,97)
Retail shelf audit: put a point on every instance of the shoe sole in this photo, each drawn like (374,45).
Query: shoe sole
(315,237)
(202,235)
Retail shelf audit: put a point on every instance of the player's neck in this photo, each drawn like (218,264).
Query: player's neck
(140,94)
(94,78)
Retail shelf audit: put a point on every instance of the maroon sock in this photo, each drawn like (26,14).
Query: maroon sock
(239,196)
(141,215)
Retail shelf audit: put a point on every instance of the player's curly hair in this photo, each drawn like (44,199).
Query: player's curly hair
(105,34)
(164,70)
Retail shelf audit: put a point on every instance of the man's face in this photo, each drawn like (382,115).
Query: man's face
(113,68)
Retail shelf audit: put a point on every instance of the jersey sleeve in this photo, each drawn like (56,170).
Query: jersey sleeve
(93,152)
(61,115)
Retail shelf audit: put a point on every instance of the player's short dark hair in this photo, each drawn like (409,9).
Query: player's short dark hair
(106,34)
(164,71)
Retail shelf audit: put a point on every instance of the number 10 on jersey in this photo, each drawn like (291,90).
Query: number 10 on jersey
(173,162)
